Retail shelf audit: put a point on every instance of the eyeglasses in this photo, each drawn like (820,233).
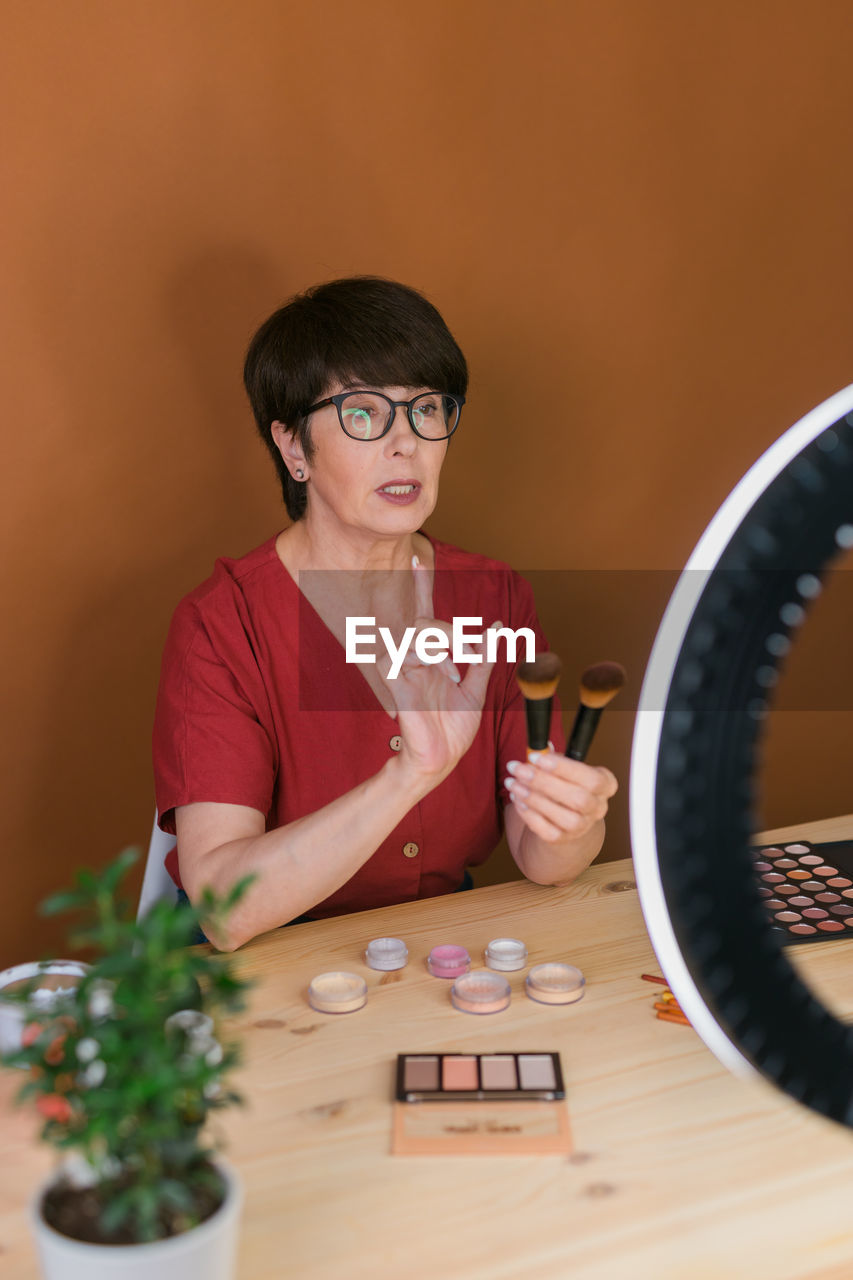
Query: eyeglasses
(368,415)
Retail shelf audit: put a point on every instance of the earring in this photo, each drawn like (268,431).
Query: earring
(300,474)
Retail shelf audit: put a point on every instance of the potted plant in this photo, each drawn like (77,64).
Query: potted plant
(125,1069)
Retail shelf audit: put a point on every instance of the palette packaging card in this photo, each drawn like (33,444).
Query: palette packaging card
(480,1104)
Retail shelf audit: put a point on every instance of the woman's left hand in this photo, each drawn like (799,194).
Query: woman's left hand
(558,798)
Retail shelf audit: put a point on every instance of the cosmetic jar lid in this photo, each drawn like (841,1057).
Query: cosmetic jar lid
(448,961)
(59,978)
(506,954)
(480,992)
(386,953)
(337,993)
(555,983)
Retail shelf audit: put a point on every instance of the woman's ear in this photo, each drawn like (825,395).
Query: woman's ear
(287,443)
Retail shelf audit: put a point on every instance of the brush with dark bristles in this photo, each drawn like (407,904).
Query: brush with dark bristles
(599,684)
(538,681)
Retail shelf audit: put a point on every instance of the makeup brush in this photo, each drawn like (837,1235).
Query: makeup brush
(599,684)
(538,681)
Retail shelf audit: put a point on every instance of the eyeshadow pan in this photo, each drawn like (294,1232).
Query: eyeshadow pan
(459,1073)
(421,1073)
(773,877)
(803,928)
(810,860)
(785,889)
(765,893)
(771,850)
(847,893)
(498,1072)
(839,882)
(784,864)
(831,926)
(799,875)
(788,917)
(777,904)
(849,922)
(763,866)
(536,1071)
(801,901)
(815,913)
(828,897)
(826,871)
(796,848)
(842,910)
(812,886)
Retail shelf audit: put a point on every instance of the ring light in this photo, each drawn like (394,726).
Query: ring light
(715,659)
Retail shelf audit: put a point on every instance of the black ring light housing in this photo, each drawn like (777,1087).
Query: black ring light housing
(706,692)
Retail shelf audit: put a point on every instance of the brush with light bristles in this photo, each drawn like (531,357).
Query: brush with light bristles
(538,681)
(599,685)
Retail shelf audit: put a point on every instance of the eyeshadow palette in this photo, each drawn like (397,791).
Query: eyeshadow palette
(807,888)
(452,1077)
(480,1103)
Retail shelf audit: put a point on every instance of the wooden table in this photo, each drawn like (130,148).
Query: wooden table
(680,1170)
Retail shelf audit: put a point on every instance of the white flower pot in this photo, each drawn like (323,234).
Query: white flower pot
(207,1252)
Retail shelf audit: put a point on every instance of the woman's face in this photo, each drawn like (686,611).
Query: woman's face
(387,486)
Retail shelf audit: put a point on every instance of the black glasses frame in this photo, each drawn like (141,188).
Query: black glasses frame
(393,405)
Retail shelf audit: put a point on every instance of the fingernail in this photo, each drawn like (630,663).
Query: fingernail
(453,673)
(520,770)
(519,792)
(416,562)
(519,804)
(545,760)
(509,783)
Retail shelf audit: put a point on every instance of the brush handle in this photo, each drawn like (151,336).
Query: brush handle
(583,731)
(538,722)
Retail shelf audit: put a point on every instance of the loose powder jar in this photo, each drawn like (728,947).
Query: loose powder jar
(337,993)
(448,961)
(386,953)
(506,954)
(555,983)
(481,992)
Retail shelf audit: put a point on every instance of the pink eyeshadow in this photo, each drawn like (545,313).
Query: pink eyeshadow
(840,882)
(796,848)
(773,877)
(788,917)
(842,910)
(459,1073)
(828,897)
(763,866)
(826,871)
(811,860)
(788,888)
(802,901)
(815,913)
(802,928)
(831,926)
(775,904)
(849,922)
(785,864)
(847,893)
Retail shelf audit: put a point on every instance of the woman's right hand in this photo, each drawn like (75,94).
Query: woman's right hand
(438,712)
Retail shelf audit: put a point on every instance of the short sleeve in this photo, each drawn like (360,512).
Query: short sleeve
(512,729)
(213,738)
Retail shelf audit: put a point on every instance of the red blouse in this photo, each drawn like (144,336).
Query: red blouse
(257,706)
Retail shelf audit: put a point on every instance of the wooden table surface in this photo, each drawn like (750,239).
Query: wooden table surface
(680,1170)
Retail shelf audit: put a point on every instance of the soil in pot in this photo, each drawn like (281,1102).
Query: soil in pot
(76,1211)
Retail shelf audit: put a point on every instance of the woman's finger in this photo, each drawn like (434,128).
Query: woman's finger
(423,589)
(570,821)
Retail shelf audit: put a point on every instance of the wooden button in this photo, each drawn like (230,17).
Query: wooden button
(396,742)
(411,850)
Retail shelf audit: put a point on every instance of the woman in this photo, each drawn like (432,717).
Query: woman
(339,786)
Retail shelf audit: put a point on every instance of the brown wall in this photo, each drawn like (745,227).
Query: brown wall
(635,215)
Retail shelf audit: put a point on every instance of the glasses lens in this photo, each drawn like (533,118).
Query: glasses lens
(435,416)
(364,415)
